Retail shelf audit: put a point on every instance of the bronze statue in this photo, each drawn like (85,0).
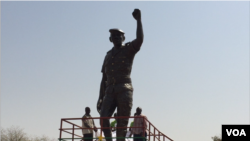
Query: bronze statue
(116,86)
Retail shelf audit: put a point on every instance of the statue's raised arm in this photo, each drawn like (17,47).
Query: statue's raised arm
(139,31)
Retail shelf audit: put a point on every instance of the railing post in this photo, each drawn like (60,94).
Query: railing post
(101,126)
(154,133)
(61,130)
(149,130)
(159,135)
(143,129)
(73,132)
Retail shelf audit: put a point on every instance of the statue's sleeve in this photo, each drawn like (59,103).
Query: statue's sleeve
(132,48)
(103,66)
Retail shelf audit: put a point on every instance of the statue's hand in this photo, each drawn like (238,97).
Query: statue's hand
(137,14)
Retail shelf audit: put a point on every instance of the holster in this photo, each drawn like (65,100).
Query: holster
(112,80)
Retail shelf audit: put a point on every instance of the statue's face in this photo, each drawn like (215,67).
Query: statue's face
(117,38)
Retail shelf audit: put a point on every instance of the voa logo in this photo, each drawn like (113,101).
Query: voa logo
(236,132)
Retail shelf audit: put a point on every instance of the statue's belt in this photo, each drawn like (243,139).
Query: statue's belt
(117,80)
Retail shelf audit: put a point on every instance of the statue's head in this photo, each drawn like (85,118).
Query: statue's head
(138,111)
(116,36)
(87,110)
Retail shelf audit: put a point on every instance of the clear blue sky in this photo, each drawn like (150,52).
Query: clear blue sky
(190,76)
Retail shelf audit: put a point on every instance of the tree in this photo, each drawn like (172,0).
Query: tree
(15,133)
(216,138)
(42,138)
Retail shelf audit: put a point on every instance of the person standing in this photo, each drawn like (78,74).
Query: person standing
(139,121)
(131,125)
(88,123)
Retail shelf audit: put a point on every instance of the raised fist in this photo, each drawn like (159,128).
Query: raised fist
(137,14)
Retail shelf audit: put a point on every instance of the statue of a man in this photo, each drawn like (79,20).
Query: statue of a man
(116,86)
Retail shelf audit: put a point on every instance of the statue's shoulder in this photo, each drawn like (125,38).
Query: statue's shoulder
(109,51)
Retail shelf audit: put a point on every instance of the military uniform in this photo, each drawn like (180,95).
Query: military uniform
(117,67)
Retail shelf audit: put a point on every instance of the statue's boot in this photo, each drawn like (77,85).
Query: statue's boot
(108,134)
(121,134)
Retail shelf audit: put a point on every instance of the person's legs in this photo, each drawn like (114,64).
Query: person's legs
(136,137)
(145,136)
(91,136)
(124,105)
(107,110)
(88,137)
(140,137)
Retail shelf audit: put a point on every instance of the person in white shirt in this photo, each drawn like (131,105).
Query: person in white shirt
(139,122)
(88,123)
